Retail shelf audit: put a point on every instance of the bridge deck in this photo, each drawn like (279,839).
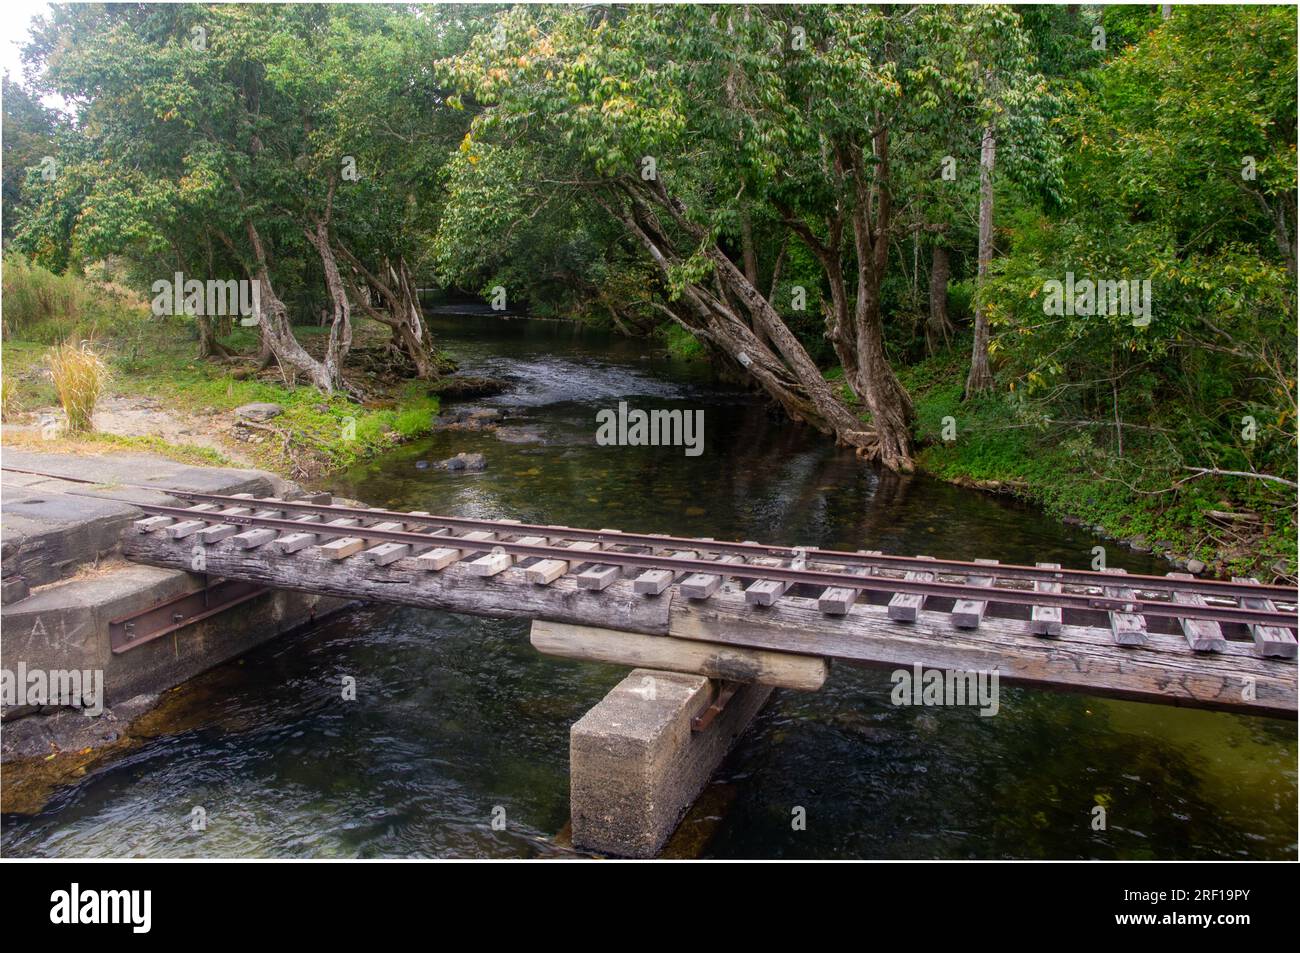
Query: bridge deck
(1169,639)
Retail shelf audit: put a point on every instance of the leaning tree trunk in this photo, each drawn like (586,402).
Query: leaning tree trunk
(891,408)
(340,339)
(277,333)
(980,378)
(411,330)
(938,329)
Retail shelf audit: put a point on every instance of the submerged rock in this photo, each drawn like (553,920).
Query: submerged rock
(460,463)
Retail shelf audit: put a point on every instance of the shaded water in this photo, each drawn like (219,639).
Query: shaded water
(456,716)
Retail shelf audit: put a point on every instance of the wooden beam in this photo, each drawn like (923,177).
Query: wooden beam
(1127,628)
(967,613)
(1202,635)
(1082,658)
(904,606)
(1271,641)
(590,644)
(1046,620)
(546,571)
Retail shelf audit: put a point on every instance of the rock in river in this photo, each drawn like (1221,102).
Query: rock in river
(460,463)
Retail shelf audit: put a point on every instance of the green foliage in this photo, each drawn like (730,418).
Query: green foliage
(1157,194)
(47,308)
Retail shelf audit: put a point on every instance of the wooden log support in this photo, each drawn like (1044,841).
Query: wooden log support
(701,585)
(590,644)
(904,606)
(1202,635)
(438,559)
(968,613)
(1046,620)
(1271,641)
(652,582)
(1128,628)
(837,600)
(294,542)
(1082,657)
(546,571)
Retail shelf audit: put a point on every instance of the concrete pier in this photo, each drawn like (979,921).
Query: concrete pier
(635,764)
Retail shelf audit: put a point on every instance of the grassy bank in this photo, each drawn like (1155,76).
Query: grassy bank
(152,364)
(1232,525)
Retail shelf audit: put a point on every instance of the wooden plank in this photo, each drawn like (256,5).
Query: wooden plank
(1271,641)
(904,606)
(260,537)
(382,554)
(968,613)
(654,581)
(1202,635)
(210,534)
(588,643)
(1127,628)
(438,559)
(497,562)
(1046,620)
(598,578)
(189,527)
(837,600)
(546,571)
(702,585)
(251,539)
(764,592)
(295,542)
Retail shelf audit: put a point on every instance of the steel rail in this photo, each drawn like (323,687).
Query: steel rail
(739,570)
(1206,587)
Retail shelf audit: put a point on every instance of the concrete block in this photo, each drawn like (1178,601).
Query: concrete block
(636,766)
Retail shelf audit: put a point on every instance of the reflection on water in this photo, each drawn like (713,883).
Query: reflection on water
(456,716)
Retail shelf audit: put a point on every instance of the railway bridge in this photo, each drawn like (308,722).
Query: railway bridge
(711,627)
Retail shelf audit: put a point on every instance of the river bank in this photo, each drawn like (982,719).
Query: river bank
(1141,499)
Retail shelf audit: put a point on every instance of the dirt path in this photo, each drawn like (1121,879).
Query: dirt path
(131,416)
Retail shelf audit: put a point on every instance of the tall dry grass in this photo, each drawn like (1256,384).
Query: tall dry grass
(79,376)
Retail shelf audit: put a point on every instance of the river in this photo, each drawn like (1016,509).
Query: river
(457,718)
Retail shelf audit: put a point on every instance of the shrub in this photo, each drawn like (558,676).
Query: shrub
(79,376)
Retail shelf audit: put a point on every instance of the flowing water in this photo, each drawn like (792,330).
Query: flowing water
(457,720)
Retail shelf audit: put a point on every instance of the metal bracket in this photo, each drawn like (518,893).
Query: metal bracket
(132,631)
(705,718)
